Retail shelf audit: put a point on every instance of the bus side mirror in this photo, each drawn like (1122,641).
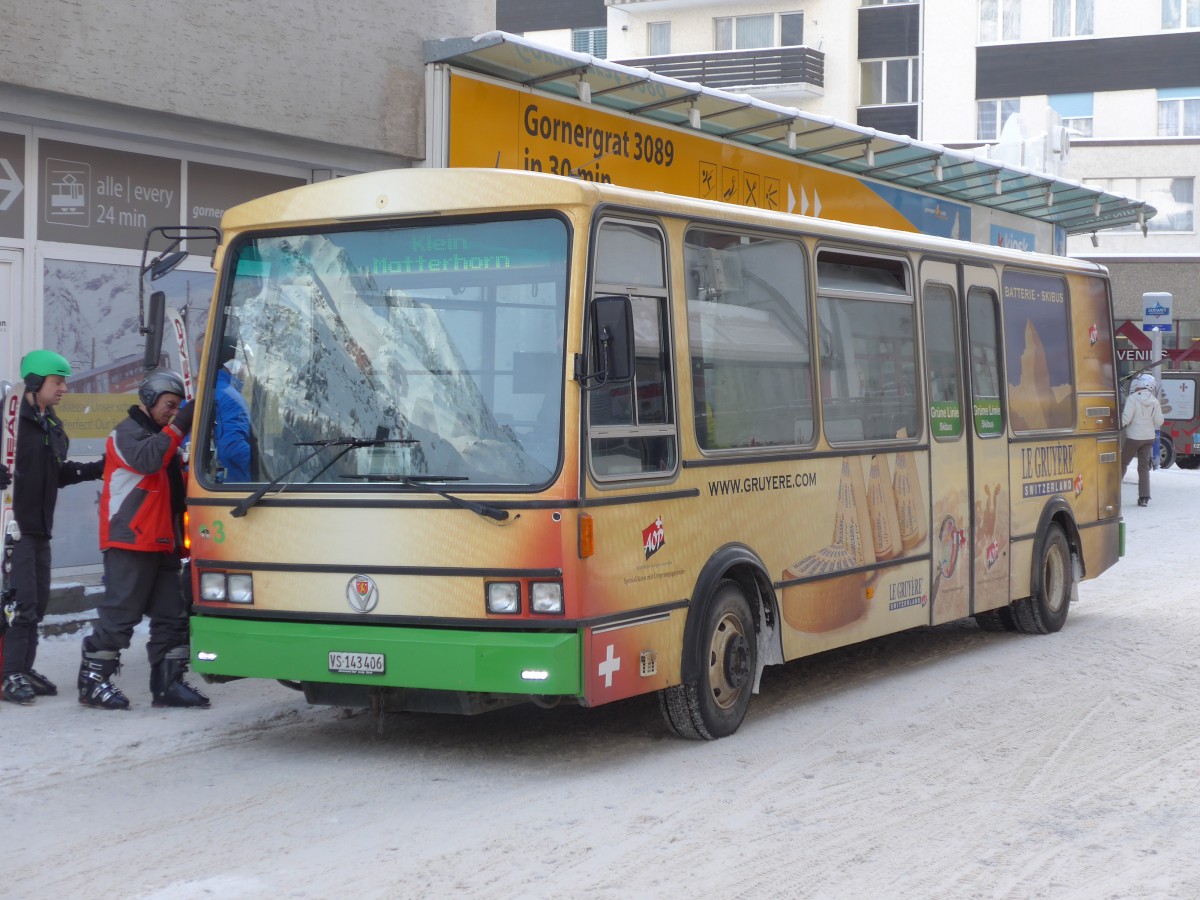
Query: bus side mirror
(165,264)
(612,342)
(154,330)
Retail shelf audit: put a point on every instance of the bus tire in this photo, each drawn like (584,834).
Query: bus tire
(996,620)
(715,705)
(1046,611)
(1188,462)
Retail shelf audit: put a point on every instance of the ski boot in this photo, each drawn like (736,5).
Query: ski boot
(95,688)
(42,686)
(167,684)
(17,689)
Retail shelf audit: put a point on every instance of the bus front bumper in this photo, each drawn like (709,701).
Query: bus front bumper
(502,662)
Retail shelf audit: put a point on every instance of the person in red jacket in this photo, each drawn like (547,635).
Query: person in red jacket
(141,535)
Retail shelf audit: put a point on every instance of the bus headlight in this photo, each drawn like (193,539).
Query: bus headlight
(212,586)
(504,597)
(241,589)
(546,597)
(220,587)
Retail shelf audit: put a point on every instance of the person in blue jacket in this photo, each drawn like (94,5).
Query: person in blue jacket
(231,419)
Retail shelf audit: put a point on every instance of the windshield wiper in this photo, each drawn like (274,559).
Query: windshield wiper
(422,481)
(347,444)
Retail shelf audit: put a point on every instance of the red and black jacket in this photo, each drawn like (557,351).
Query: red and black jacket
(141,507)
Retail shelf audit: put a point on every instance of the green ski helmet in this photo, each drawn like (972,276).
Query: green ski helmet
(38,364)
(44,362)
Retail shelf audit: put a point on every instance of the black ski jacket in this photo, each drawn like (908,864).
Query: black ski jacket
(42,468)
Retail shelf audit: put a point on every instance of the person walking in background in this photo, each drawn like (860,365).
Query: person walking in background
(42,468)
(1140,418)
(141,535)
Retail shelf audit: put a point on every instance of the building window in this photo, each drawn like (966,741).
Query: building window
(791,29)
(1178,112)
(1075,112)
(886,2)
(1181,13)
(999,20)
(992,116)
(593,41)
(1174,198)
(744,32)
(658,38)
(1072,17)
(889,81)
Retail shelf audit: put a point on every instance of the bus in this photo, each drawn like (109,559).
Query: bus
(525,438)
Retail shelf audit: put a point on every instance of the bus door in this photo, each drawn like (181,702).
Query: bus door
(987,442)
(950,486)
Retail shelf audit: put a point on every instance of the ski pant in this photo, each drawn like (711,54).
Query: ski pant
(31,590)
(1142,450)
(139,583)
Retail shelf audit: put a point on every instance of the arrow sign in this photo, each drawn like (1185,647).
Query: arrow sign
(10,183)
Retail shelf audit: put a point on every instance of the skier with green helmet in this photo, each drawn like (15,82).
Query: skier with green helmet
(42,468)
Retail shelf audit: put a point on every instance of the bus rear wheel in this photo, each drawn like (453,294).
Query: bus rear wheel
(1046,611)
(996,620)
(715,705)
(1188,462)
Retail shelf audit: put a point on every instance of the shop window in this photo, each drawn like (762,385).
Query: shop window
(1174,198)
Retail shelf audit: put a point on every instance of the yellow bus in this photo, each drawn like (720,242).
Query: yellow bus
(519,437)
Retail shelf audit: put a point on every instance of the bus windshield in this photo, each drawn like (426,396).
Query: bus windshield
(442,344)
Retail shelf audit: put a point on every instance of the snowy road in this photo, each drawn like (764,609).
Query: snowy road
(945,762)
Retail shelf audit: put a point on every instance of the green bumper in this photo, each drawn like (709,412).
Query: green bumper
(501,662)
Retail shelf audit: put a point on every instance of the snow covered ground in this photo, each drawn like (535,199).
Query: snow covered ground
(944,762)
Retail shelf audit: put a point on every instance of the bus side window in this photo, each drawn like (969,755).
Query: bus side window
(987,409)
(750,339)
(632,426)
(941,355)
(868,348)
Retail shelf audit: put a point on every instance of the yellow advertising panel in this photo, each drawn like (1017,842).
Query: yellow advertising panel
(500,126)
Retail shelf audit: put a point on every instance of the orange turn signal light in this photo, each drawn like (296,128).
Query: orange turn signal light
(587,536)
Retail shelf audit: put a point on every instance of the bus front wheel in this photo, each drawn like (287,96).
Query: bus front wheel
(715,705)
(1046,611)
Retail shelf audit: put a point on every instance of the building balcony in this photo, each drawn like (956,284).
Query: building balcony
(796,71)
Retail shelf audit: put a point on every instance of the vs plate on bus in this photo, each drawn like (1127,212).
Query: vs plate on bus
(357,663)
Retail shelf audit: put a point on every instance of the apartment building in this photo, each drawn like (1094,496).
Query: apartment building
(1106,92)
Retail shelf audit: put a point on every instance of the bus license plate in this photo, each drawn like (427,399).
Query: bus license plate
(356,663)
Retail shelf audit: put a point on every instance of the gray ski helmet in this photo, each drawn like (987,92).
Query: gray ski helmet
(159,382)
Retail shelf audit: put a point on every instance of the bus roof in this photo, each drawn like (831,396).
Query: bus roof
(438,192)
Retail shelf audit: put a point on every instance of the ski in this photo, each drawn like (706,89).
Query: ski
(8,524)
(175,319)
